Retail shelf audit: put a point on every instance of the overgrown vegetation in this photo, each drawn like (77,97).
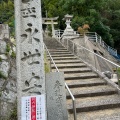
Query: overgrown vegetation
(0,59)
(2,75)
(8,48)
(13,55)
(46,64)
(7,14)
(13,115)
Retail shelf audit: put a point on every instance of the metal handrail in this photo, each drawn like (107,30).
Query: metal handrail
(96,54)
(98,39)
(68,89)
(94,67)
(92,36)
(95,35)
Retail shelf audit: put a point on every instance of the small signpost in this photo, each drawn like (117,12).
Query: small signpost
(33,108)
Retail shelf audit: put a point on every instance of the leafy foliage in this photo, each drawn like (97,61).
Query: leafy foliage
(7,13)
(103,16)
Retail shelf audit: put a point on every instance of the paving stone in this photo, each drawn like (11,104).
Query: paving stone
(107,114)
(65,52)
(74,70)
(64,58)
(92,91)
(96,103)
(85,82)
(73,76)
(58,50)
(66,61)
(69,65)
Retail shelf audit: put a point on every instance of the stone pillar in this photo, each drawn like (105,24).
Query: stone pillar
(53,30)
(30,50)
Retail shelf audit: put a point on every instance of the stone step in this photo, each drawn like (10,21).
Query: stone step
(54,53)
(73,70)
(55,50)
(69,65)
(92,91)
(76,76)
(64,58)
(60,48)
(95,103)
(106,114)
(62,55)
(67,61)
(85,83)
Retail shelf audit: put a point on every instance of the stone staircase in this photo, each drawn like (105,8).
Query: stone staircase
(95,99)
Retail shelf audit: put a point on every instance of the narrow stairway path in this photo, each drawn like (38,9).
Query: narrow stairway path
(95,99)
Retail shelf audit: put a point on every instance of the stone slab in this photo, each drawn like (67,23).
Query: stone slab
(2,46)
(56,96)
(92,91)
(96,103)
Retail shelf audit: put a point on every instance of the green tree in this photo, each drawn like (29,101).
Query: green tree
(102,15)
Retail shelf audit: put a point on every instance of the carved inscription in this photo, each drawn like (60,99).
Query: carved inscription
(32,85)
(31,51)
(29,12)
(56,103)
(26,1)
(30,33)
(31,58)
(58,98)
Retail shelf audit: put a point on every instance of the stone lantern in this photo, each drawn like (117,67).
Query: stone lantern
(68,29)
(68,21)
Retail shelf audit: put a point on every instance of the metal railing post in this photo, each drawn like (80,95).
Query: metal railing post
(96,36)
(73,47)
(67,44)
(95,62)
(59,35)
(116,52)
(74,109)
(108,48)
(103,44)
(100,40)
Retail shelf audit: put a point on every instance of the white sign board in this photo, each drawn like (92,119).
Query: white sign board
(33,108)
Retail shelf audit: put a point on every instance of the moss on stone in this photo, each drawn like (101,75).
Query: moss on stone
(13,115)
(0,59)
(2,75)
(46,64)
(13,55)
(8,48)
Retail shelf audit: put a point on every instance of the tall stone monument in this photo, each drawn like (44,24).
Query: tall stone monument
(30,49)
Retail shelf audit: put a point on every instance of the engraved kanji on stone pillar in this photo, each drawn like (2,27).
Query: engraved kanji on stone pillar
(30,50)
